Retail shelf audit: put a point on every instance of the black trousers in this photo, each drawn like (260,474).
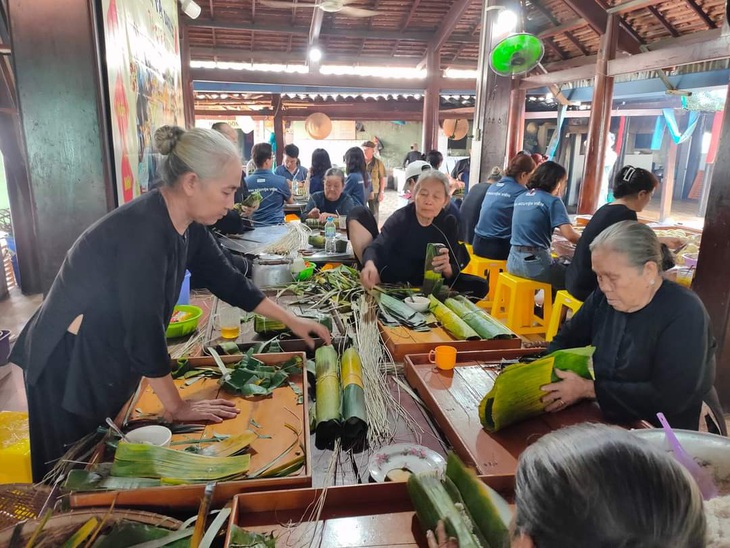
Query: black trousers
(53,429)
(491,248)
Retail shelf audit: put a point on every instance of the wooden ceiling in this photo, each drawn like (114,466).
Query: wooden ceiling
(248,31)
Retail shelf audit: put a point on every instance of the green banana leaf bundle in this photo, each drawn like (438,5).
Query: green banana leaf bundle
(516,394)
(396,312)
(451,322)
(476,318)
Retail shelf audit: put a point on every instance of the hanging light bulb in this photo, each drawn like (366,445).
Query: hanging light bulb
(506,20)
(315,54)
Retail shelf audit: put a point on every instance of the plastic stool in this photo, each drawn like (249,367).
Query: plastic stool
(514,299)
(564,301)
(485,268)
(292,218)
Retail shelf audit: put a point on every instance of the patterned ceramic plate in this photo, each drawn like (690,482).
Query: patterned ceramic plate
(405,456)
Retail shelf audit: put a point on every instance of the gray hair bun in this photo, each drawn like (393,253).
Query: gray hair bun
(167,137)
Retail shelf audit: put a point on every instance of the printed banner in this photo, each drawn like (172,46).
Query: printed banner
(145,85)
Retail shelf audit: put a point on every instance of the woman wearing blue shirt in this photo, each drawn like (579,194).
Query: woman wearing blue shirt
(320,164)
(537,213)
(357,184)
(494,229)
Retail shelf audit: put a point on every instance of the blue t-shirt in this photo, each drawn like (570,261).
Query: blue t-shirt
(537,213)
(316,184)
(495,217)
(355,187)
(299,174)
(274,192)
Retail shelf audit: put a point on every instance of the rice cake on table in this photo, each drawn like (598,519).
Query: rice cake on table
(267,416)
(453,397)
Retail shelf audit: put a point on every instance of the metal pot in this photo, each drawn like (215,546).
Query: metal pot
(272,270)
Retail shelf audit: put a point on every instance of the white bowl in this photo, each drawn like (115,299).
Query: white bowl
(419,304)
(160,436)
(708,449)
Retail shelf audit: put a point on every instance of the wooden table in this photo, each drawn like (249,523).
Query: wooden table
(296,207)
(454,396)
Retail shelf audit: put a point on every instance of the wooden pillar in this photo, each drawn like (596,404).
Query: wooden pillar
(431,102)
(516,124)
(187,81)
(278,127)
(63,115)
(667,189)
(491,114)
(600,122)
(713,267)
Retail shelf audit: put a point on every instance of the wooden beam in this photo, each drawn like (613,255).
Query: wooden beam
(597,19)
(633,5)
(701,13)
(418,36)
(667,188)
(454,15)
(577,44)
(187,81)
(713,270)
(553,46)
(432,99)
(276,106)
(516,124)
(323,80)
(584,72)
(663,20)
(563,28)
(600,122)
(630,112)
(672,57)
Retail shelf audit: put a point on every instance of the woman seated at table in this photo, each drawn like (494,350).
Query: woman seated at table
(332,201)
(654,345)
(398,253)
(494,229)
(537,213)
(633,188)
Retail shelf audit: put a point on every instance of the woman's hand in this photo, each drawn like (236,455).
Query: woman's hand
(314,213)
(304,328)
(205,410)
(369,276)
(324,216)
(248,211)
(440,539)
(570,390)
(441,263)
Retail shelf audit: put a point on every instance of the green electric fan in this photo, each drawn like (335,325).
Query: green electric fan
(517,54)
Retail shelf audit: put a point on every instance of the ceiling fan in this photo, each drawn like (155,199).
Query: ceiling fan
(329,6)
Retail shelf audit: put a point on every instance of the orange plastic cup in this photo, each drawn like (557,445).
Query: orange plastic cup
(444,357)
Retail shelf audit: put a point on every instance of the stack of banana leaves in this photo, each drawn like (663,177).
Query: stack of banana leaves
(466,321)
(248,377)
(340,399)
(517,395)
(394,312)
(472,513)
(332,289)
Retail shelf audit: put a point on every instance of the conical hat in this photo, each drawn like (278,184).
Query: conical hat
(318,126)
(456,130)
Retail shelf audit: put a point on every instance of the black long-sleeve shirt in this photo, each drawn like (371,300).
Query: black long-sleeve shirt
(399,251)
(660,358)
(124,275)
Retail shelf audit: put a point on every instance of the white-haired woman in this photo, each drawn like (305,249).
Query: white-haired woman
(398,253)
(102,325)
(654,345)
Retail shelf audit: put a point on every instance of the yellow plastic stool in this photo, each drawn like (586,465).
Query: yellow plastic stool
(483,267)
(514,301)
(14,448)
(292,218)
(564,301)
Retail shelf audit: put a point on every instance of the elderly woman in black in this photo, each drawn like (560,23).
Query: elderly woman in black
(102,325)
(654,347)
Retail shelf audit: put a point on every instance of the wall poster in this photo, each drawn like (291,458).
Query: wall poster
(142,47)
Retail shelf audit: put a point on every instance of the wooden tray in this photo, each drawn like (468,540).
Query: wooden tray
(354,516)
(402,341)
(271,413)
(454,396)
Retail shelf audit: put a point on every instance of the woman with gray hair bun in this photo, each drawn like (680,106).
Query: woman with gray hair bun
(655,351)
(599,486)
(102,326)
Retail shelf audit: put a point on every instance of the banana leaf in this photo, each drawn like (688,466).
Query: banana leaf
(127,533)
(252,378)
(84,480)
(457,327)
(397,312)
(240,538)
(516,394)
(481,322)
